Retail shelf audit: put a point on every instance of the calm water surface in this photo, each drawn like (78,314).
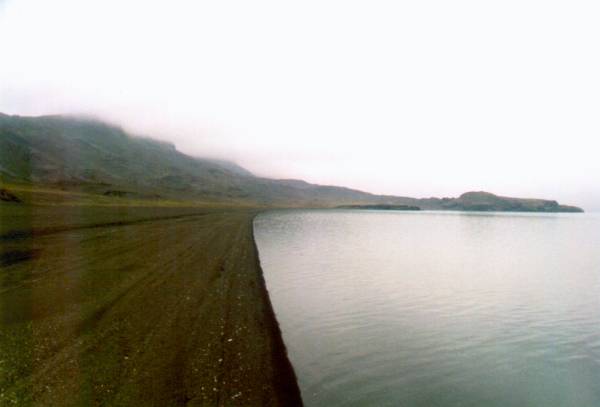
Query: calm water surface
(436,308)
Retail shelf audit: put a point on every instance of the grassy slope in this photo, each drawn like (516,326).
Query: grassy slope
(104,306)
(89,156)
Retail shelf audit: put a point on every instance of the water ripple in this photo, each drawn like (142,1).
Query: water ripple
(422,309)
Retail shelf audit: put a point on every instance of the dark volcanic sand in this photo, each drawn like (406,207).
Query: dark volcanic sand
(138,312)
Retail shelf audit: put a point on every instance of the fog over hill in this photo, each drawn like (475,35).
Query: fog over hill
(82,153)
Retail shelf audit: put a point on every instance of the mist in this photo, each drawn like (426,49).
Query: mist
(406,98)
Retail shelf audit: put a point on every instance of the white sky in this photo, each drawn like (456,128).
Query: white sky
(415,98)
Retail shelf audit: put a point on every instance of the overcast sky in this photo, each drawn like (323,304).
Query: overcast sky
(414,98)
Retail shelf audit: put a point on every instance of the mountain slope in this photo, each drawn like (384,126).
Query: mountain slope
(89,155)
(75,152)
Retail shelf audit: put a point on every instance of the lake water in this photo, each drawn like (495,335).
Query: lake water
(390,308)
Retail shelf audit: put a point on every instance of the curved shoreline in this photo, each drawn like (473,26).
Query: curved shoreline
(286,383)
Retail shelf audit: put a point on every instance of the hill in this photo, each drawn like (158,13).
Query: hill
(90,156)
(485,201)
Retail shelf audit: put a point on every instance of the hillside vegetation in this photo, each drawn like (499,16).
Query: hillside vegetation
(91,156)
(93,162)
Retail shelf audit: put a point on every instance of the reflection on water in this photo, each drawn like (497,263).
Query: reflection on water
(437,308)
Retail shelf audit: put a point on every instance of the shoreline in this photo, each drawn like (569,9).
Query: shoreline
(286,381)
(155,307)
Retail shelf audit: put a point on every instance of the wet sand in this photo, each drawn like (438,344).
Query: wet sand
(137,307)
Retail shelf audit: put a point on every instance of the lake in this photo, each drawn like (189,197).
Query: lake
(392,308)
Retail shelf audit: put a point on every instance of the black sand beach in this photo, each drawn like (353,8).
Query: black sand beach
(136,306)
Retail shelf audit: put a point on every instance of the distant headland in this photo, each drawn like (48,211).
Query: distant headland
(474,201)
(488,202)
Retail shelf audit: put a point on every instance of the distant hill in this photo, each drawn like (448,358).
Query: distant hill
(84,154)
(485,201)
